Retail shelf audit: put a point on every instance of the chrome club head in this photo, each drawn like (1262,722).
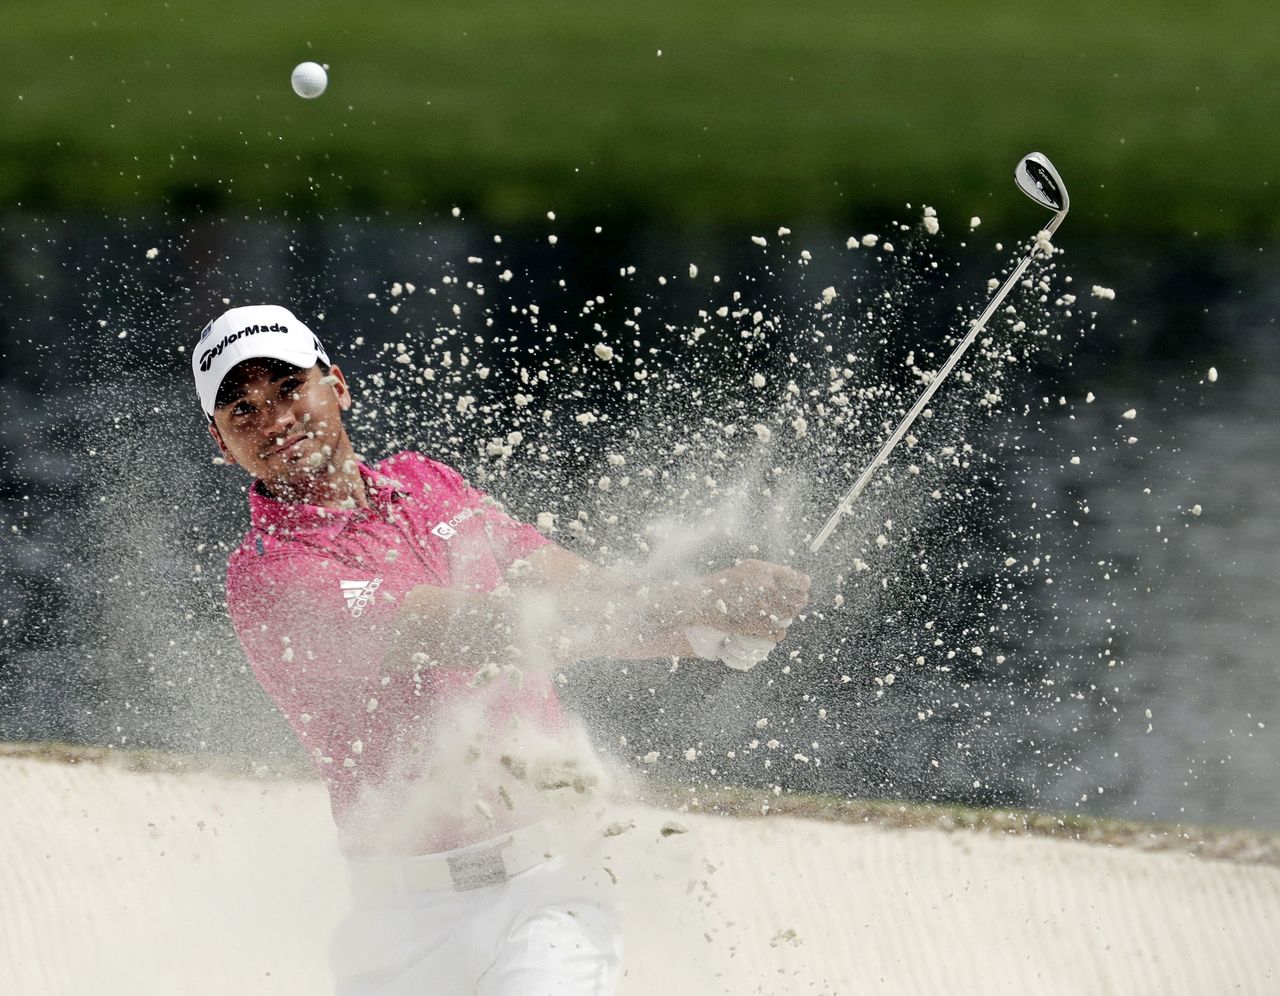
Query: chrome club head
(1037,178)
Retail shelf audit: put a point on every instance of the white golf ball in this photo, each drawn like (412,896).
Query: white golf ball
(309,79)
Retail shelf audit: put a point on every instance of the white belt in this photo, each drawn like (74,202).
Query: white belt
(490,862)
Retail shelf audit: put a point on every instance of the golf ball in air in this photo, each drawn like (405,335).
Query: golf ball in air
(309,79)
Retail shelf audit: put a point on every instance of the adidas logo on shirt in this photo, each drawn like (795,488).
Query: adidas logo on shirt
(358,594)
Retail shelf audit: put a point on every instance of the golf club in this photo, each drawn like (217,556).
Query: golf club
(1035,177)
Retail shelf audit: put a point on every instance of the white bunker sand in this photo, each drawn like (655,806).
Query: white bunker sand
(118,881)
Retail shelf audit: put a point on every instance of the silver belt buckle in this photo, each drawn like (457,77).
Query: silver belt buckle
(476,869)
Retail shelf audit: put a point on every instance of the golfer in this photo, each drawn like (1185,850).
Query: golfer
(409,631)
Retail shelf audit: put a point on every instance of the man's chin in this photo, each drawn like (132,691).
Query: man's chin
(293,475)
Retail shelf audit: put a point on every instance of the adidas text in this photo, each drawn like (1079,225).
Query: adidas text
(358,594)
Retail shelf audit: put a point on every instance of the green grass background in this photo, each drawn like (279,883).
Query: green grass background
(1162,116)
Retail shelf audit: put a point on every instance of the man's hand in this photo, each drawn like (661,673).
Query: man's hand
(753,598)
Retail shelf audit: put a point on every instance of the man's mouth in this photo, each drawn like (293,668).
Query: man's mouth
(289,444)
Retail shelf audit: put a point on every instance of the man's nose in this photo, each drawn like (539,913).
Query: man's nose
(280,417)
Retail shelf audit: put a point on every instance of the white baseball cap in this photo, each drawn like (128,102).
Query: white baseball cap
(259,331)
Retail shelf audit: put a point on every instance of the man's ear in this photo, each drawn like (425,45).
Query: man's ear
(340,388)
(217,438)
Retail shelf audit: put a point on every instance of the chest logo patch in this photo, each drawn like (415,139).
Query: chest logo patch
(359,594)
(447,530)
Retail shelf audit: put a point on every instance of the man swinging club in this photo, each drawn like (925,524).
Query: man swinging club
(376,606)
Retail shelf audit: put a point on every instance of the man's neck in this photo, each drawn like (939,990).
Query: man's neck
(337,484)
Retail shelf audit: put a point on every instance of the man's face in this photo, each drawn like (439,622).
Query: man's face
(281,424)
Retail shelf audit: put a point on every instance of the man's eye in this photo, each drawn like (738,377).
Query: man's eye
(241,409)
(290,386)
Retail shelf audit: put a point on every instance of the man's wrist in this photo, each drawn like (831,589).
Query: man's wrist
(674,605)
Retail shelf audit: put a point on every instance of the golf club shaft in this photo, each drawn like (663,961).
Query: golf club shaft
(865,478)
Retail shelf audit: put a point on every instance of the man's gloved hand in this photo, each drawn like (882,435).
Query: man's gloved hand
(739,652)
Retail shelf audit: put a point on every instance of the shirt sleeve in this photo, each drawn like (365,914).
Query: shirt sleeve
(511,539)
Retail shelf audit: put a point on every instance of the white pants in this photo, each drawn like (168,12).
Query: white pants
(550,931)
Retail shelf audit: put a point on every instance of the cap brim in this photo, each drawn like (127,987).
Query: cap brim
(247,349)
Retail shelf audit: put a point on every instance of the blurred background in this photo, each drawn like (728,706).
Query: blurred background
(1045,603)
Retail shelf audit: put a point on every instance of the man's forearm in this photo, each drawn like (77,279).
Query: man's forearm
(561,609)
(601,614)
(595,616)
(440,626)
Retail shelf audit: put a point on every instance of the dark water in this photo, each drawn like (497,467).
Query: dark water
(1120,600)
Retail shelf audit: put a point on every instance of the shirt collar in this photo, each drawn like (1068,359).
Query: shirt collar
(274,515)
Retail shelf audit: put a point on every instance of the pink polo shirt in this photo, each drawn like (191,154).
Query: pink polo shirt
(314,593)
